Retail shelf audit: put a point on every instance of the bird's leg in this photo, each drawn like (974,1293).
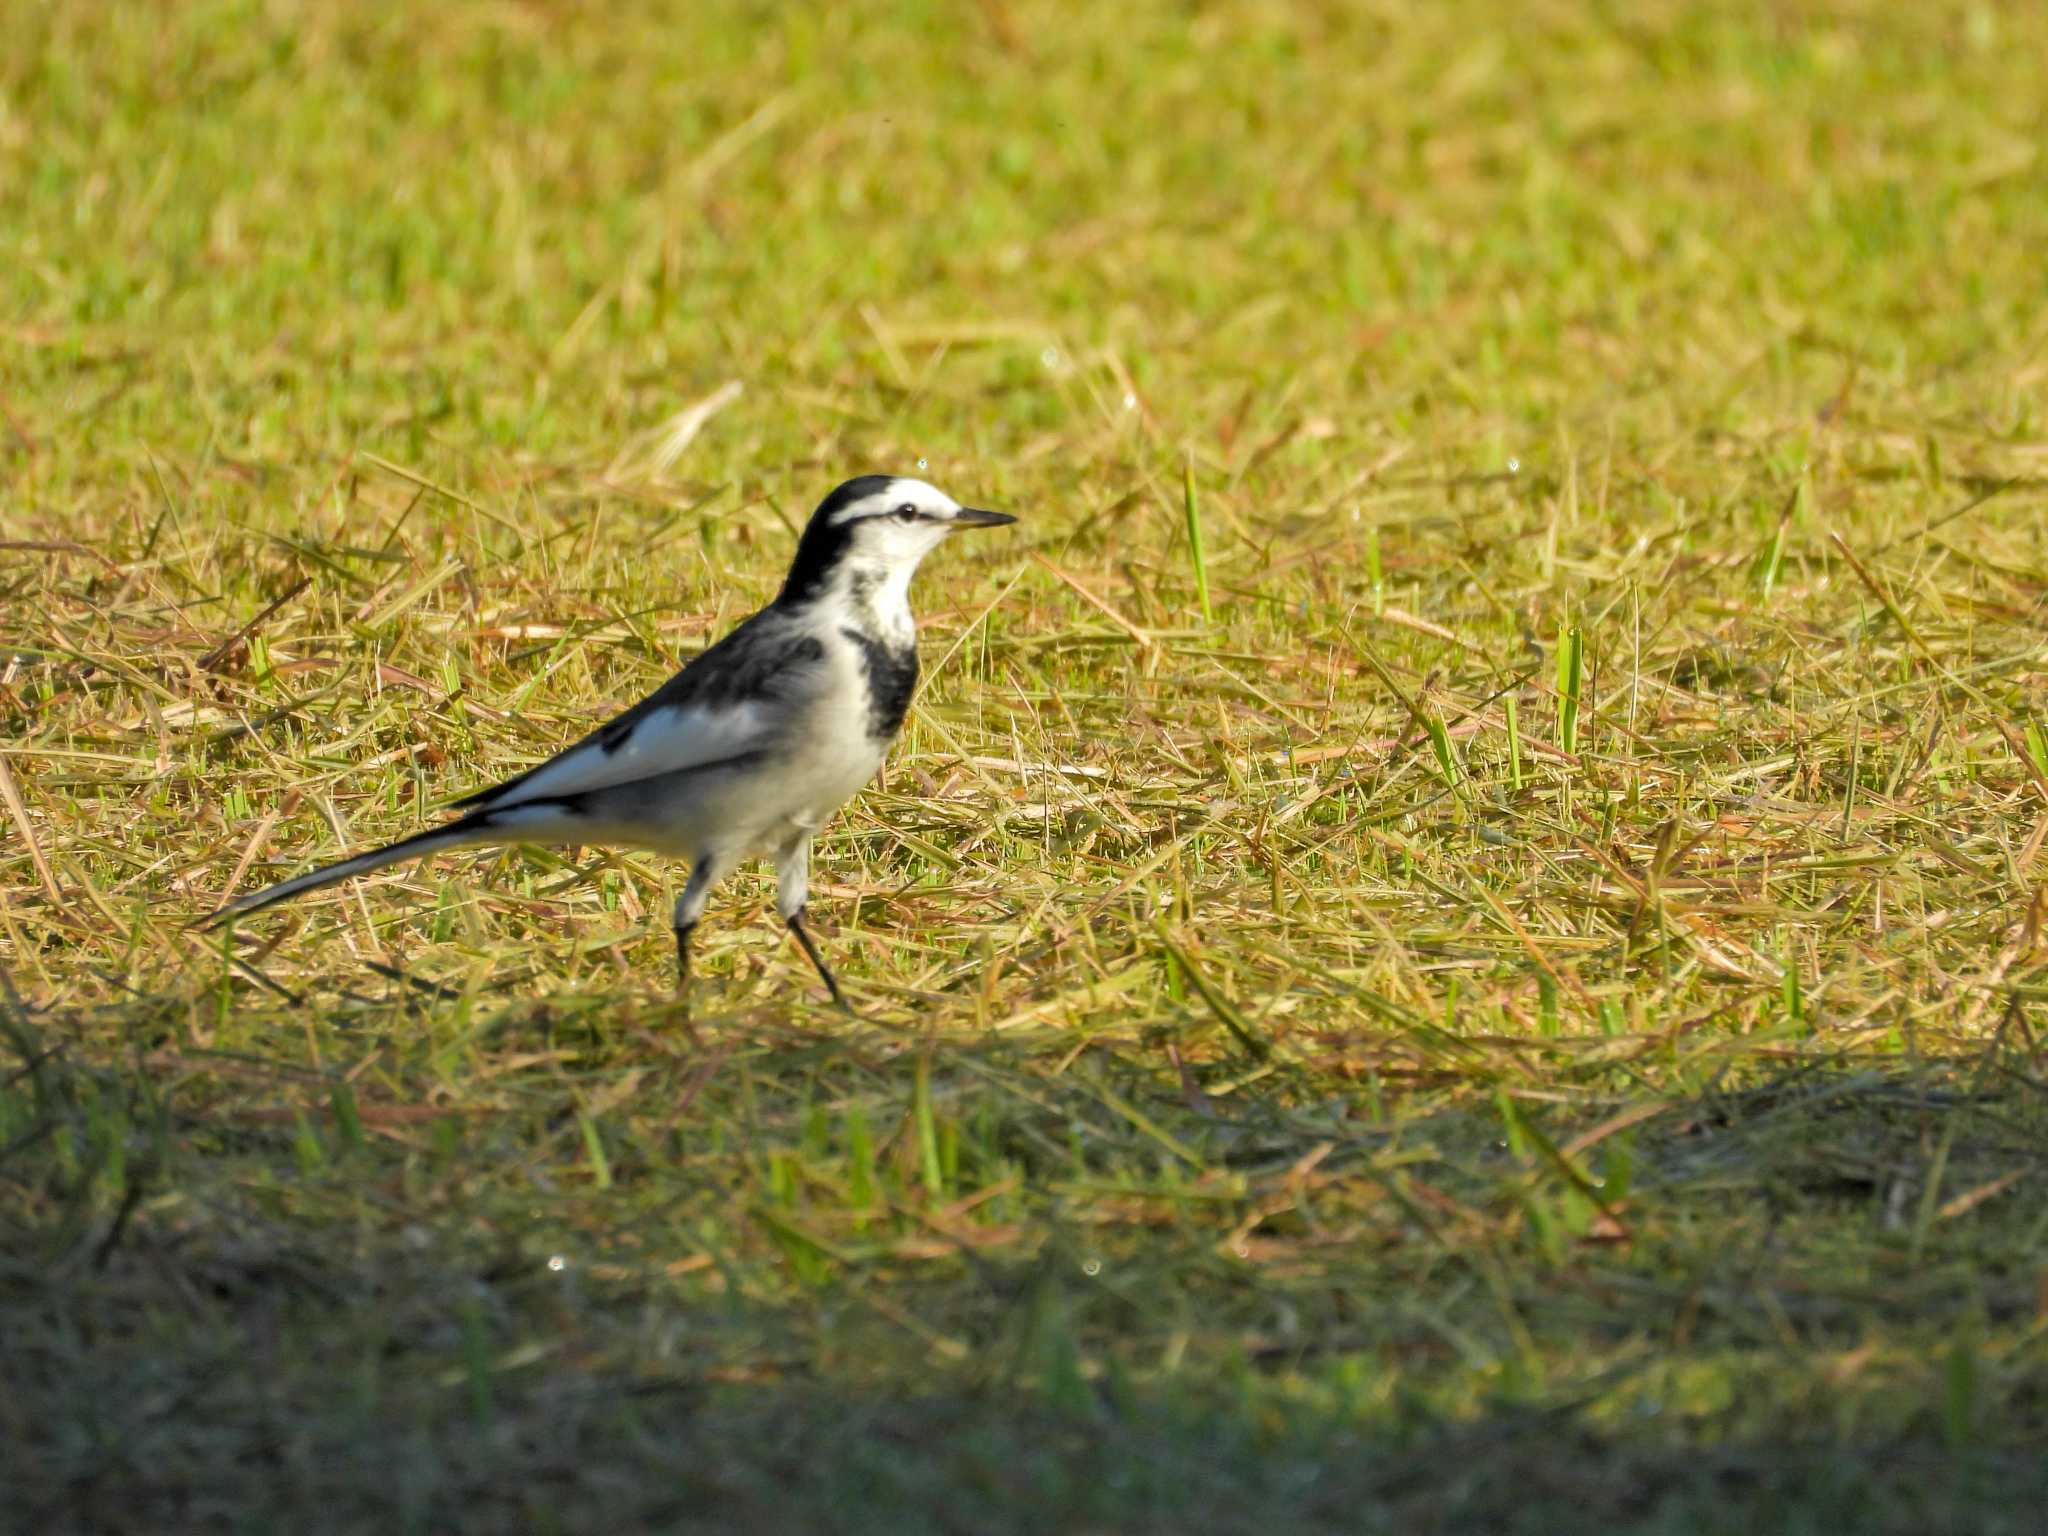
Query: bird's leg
(683,932)
(792,887)
(803,937)
(689,908)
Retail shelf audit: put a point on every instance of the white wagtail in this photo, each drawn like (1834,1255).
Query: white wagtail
(752,745)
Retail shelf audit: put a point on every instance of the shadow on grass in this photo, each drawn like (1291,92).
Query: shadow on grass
(168,1397)
(264,1322)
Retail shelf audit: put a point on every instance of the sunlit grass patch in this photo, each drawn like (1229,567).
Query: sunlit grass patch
(1455,936)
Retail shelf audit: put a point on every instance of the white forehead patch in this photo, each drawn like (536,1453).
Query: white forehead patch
(899,492)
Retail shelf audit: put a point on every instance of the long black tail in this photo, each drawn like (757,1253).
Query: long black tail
(468,832)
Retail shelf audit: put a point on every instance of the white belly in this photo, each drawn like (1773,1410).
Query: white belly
(830,760)
(828,757)
(785,791)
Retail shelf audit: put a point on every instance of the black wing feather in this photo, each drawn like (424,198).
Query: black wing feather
(748,664)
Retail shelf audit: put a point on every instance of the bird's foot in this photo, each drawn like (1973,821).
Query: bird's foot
(683,932)
(802,931)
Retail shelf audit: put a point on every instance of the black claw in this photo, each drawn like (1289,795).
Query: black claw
(803,937)
(683,958)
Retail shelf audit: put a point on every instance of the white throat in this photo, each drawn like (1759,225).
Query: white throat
(875,596)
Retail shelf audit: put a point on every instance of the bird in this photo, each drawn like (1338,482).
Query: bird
(747,750)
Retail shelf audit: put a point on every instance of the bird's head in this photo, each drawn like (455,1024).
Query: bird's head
(879,525)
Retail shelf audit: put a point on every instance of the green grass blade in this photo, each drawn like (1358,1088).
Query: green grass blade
(1570,677)
(1196,553)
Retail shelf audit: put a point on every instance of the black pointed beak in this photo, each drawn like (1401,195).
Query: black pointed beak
(976,517)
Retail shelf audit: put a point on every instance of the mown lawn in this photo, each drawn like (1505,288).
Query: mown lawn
(1454,942)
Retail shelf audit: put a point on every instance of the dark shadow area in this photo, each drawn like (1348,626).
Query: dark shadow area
(947,1291)
(251,1392)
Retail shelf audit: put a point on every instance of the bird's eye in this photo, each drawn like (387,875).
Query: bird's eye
(907,513)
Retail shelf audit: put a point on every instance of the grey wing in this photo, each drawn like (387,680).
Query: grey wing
(730,701)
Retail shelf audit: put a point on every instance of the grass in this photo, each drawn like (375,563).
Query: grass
(1454,942)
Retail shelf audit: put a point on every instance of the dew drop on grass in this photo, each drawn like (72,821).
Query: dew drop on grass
(1130,401)
(557,1263)
(921,463)
(1050,357)
(1091,1266)
(1514,466)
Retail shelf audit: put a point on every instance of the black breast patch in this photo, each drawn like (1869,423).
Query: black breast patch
(891,678)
